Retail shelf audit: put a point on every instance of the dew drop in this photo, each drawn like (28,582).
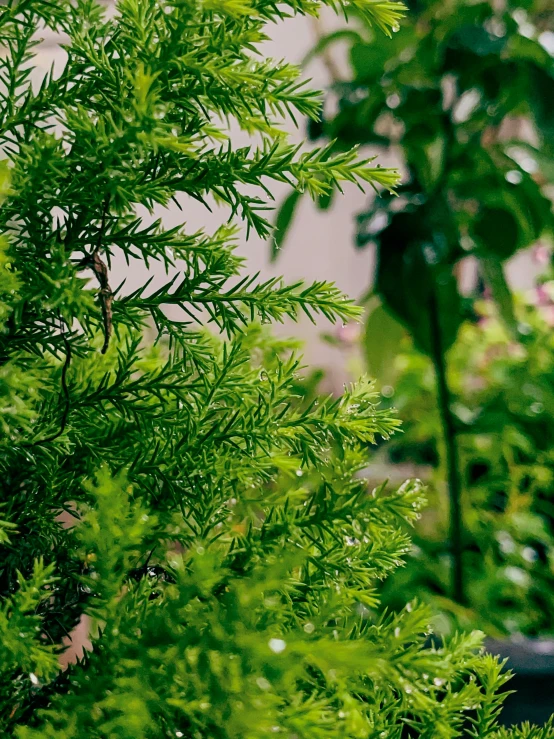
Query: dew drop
(529,554)
(277,645)
(514,177)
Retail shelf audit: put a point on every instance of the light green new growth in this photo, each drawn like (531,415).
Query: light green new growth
(224,543)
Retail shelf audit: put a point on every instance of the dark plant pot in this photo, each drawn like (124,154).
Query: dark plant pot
(532,662)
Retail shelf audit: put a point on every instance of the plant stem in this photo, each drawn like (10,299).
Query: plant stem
(451,447)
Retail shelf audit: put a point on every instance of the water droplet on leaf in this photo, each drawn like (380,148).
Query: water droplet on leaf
(277,645)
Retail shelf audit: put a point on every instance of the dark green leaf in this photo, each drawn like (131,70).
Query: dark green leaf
(414,279)
(477,39)
(285,214)
(497,231)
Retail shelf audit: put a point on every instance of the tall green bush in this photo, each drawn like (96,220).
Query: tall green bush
(223,604)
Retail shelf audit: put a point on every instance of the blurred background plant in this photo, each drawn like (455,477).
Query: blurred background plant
(463,96)
(504,411)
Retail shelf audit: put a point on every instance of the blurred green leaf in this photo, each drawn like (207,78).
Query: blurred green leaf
(540,98)
(382,337)
(497,230)
(426,154)
(368,60)
(521,48)
(343,34)
(477,39)
(412,279)
(495,278)
(285,215)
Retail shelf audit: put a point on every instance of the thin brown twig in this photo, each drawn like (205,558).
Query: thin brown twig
(106,297)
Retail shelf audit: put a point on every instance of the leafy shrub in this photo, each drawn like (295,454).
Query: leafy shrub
(503,402)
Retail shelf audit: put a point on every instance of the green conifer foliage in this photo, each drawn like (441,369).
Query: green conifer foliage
(223,545)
